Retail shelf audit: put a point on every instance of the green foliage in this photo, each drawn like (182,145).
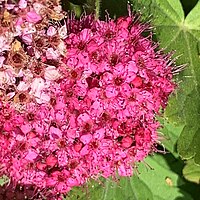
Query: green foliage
(115,8)
(78,2)
(125,189)
(169,135)
(191,171)
(3,180)
(158,183)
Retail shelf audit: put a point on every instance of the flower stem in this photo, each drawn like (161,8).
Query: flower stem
(97,8)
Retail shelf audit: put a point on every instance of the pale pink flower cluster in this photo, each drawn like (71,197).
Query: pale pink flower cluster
(78,98)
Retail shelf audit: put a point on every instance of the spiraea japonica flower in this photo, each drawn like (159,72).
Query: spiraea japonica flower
(78,98)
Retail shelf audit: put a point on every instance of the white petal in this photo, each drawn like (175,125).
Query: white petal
(51,73)
(23,86)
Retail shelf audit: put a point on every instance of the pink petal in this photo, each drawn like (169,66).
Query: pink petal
(78,146)
(33,17)
(99,134)
(84,151)
(19,21)
(137,82)
(132,67)
(50,182)
(85,34)
(72,182)
(83,118)
(27,38)
(31,155)
(51,161)
(111,92)
(124,171)
(8,126)
(51,73)
(22,4)
(41,166)
(2,58)
(86,138)
(55,133)
(26,128)
(60,115)
(51,31)
(51,54)
(127,141)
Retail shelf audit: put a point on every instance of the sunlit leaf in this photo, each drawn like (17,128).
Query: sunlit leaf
(191,171)
(158,183)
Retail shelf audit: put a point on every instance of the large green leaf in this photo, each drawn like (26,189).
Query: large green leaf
(162,180)
(161,183)
(175,32)
(125,188)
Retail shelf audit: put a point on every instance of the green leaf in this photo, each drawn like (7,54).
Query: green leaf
(191,171)
(175,32)
(170,134)
(65,5)
(161,183)
(3,180)
(97,8)
(126,189)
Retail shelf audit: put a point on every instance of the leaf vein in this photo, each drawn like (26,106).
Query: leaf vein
(163,11)
(191,61)
(173,39)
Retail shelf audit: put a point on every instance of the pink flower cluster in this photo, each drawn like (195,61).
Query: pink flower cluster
(78,98)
